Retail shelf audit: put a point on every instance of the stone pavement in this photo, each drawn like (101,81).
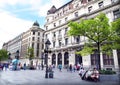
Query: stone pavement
(37,77)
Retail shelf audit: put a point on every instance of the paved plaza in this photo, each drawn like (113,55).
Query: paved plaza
(37,77)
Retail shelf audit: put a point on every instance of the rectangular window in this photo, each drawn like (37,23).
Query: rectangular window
(89,9)
(54,24)
(100,4)
(38,33)
(93,59)
(32,45)
(38,39)
(54,35)
(33,33)
(107,60)
(116,14)
(33,38)
(59,32)
(89,0)
(66,41)
(54,44)
(60,43)
(66,19)
(46,27)
(66,29)
(78,39)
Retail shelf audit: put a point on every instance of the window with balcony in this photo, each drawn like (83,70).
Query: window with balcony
(76,14)
(60,43)
(66,41)
(107,60)
(116,14)
(54,44)
(33,38)
(59,32)
(54,34)
(100,4)
(90,9)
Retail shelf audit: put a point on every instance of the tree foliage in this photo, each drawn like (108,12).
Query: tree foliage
(30,53)
(98,32)
(3,54)
(101,35)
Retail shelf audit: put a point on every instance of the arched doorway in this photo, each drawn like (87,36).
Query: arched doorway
(59,58)
(54,59)
(66,58)
(78,59)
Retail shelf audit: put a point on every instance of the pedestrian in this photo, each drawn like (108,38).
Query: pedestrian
(70,67)
(24,66)
(74,68)
(39,66)
(60,67)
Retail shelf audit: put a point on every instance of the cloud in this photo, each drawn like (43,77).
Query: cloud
(10,26)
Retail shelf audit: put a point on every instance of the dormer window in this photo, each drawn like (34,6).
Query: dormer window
(89,9)
(100,4)
(76,14)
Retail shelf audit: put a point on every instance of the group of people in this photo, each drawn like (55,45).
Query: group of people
(91,74)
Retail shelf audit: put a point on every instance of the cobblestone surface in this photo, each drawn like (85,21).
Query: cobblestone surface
(37,77)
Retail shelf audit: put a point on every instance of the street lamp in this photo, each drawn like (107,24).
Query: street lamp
(42,57)
(47,43)
(17,54)
(9,58)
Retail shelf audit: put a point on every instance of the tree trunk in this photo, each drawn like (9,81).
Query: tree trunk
(98,64)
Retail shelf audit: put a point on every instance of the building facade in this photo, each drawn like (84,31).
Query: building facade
(63,47)
(31,38)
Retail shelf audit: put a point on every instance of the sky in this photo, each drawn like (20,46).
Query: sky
(17,16)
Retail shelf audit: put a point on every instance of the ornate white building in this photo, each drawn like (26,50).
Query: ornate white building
(64,47)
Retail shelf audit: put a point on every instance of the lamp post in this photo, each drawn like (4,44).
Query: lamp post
(42,62)
(17,58)
(47,43)
(17,54)
(9,58)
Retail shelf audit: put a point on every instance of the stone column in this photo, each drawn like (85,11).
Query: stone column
(101,61)
(62,59)
(56,59)
(115,58)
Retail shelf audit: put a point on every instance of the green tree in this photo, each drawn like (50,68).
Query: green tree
(30,54)
(3,55)
(99,33)
(116,30)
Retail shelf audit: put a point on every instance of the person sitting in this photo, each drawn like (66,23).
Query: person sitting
(95,74)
